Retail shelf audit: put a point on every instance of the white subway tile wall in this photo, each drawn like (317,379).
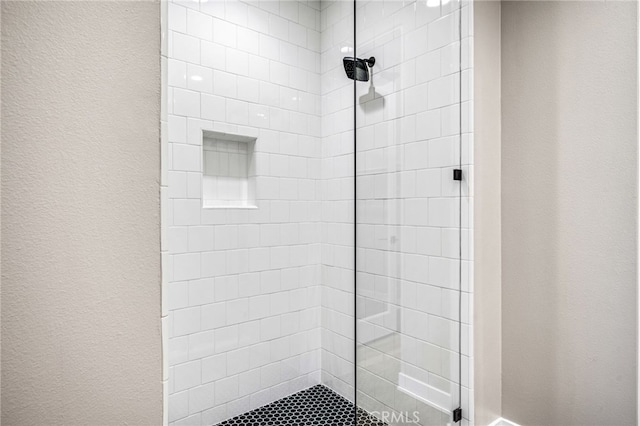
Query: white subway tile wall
(260,302)
(244,292)
(336,41)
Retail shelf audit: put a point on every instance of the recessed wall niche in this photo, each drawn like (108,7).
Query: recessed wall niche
(228,178)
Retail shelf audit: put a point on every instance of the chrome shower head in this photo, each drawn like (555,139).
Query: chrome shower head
(358,69)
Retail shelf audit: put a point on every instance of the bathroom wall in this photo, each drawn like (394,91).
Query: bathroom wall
(244,295)
(569,216)
(487,303)
(80,213)
(0,215)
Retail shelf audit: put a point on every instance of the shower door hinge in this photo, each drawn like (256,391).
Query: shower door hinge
(457,415)
(457,174)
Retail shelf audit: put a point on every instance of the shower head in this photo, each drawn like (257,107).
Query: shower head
(358,69)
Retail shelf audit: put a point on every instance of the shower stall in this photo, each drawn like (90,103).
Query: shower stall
(317,246)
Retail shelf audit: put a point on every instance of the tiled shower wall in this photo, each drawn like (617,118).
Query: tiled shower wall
(261,300)
(244,295)
(337,198)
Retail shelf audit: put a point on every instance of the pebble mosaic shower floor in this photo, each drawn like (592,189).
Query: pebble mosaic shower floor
(317,405)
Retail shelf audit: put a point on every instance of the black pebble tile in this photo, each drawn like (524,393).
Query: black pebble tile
(317,405)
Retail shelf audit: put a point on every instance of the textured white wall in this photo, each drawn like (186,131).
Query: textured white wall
(80,210)
(569,217)
(487,330)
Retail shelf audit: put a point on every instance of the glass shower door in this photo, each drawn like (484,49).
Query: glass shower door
(408,214)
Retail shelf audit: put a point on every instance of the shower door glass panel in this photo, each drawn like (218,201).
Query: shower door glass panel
(409,211)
